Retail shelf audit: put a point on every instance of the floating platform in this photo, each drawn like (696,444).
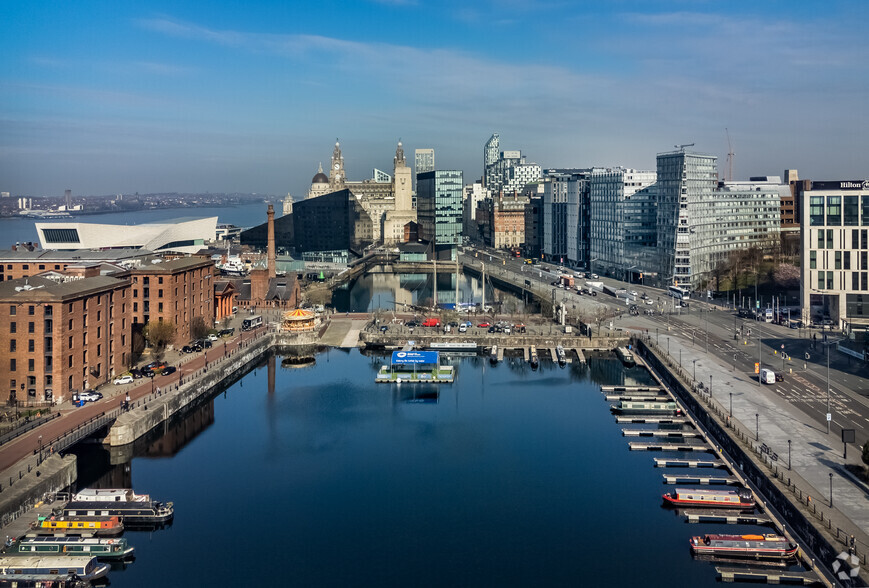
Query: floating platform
(727,517)
(662,420)
(767,576)
(662,462)
(702,480)
(445,374)
(453,346)
(660,433)
(644,446)
(654,390)
(638,398)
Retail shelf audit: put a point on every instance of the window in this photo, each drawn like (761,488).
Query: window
(160,292)
(863,260)
(12,365)
(12,345)
(838,260)
(820,280)
(31,365)
(820,238)
(31,310)
(813,260)
(846,260)
(31,327)
(12,310)
(864,204)
(135,307)
(70,361)
(830,280)
(70,342)
(49,311)
(852,211)
(855,239)
(61,235)
(863,235)
(47,345)
(31,345)
(12,327)
(855,281)
(160,281)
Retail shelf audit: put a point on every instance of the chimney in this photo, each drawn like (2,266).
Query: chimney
(272,254)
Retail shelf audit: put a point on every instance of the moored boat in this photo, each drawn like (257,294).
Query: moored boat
(135,513)
(533,359)
(646,407)
(493,355)
(101,526)
(109,495)
(774,547)
(26,570)
(68,546)
(561,356)
(688,497)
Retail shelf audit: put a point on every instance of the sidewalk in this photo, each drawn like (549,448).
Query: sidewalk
(764,418)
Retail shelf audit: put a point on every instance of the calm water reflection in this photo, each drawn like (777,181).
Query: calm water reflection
(509,477)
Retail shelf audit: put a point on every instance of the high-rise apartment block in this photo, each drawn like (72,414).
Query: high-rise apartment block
(423,161)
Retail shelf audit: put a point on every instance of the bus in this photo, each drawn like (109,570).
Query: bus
(679,293)
(251,323)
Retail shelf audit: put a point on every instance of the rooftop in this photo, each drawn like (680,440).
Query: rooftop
(36,288)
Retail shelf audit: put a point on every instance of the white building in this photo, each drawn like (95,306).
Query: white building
(835,255)
(178,236)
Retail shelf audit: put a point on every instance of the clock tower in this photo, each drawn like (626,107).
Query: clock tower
(336,172)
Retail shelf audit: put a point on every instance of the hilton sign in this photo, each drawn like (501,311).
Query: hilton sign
(853,185)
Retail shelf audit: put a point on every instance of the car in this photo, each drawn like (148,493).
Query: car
(125,379)
(159,365)
(187,349)
(431,322)
(412,324)
(649,301)
(634,293)
(212,337)
(594,276)
(195,345)
(484,325)
(204,343)
(492,329)
(89,396)
(384,328)
(169,369)
(226,332)
(463,328)
(150,373)
(136,373)
(779,377)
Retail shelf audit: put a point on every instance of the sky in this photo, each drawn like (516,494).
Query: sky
(249,96)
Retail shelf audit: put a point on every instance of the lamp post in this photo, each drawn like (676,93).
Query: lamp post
(680,357)
(828,415)
(731,406)
(710,386)
(657,339)
(706,314)
(40,451)
(831,489)
(695,370)
(668,346)
(756,427)
(789,454)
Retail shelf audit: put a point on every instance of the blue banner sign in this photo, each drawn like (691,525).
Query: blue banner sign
(408,357)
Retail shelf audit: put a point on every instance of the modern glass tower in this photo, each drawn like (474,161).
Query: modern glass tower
(439,208)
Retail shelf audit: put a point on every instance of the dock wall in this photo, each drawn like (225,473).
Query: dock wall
(51,476)
(750,468)
(155,409)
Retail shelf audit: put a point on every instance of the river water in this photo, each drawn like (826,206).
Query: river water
(22,230)
(508,477)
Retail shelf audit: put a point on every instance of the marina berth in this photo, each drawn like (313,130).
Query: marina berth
(690,497)
(101,526)
(104,549)
(29,569)
(770,547)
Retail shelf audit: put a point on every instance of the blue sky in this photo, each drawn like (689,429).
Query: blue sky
(110,97)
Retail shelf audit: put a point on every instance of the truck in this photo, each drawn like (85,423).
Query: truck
(593,288)
(566,280)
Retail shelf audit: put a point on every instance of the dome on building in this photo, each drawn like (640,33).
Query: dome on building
(320,177)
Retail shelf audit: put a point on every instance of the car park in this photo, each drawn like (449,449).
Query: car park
(125,379)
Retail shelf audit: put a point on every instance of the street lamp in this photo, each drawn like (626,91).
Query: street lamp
(40,450)
(831,489)
(789,454)
(829,415)
(756,427)
(710,386)
(695,370)
(731,406)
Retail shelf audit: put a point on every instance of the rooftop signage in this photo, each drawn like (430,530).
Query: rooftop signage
(411,357)
(842,185)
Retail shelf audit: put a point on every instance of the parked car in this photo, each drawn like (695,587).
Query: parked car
(136,373)
(187,349)
(431,322)
(463,328)
(384,328)
(150,373)
(411,324)
(212,337)
(89,396)
(226,332)
(169,369)
(125,379)
(484,325)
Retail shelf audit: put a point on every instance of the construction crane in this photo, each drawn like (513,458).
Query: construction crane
(682,147)
(730,155)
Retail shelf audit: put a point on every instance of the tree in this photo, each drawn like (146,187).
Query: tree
(159,334)
(787,276)
(198,328)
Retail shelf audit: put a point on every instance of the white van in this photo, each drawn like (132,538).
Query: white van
(767,376)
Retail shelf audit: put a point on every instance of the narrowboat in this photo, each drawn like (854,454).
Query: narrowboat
(534,360)
(100,526)
(493,355)
(68,546)
(136,513)
(773,547)
(740,498)
(561,356)
(109,495)
(646,407)
(21,570)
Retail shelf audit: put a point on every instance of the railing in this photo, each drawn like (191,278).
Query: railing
(27,426)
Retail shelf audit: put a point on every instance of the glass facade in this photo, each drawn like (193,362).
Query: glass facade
(439,206)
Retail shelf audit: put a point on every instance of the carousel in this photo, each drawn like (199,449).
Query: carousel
(299,320)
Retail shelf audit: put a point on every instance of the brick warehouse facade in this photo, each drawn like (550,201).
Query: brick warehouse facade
(176,291)
(62,335)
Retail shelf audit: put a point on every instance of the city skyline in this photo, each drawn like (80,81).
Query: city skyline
(251,98)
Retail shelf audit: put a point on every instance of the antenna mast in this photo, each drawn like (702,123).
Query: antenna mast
(730,155)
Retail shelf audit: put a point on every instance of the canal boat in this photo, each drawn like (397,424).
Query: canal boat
(646,407)
(689,497)
(534,360)
(493,355)
(626,356)
(103,549)
(100,526)
(132,512)
(28,570)
(561,356)
(109,495)
(771,547)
